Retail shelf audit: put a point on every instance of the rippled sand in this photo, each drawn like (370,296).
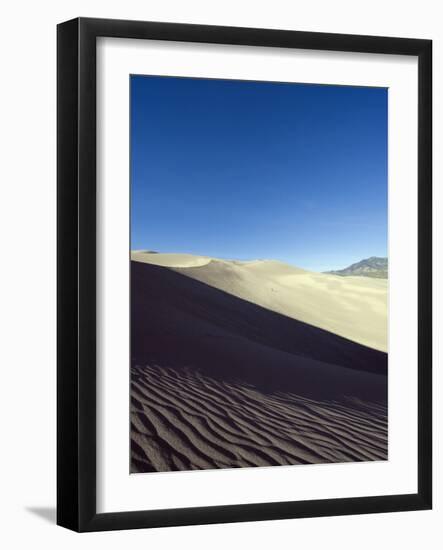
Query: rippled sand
(186,421)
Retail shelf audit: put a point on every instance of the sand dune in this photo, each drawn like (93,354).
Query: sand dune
(218,381)
(182,420)
(180,321)
(169,260)
(352,307)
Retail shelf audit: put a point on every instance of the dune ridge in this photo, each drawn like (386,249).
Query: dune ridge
(352,307)
(169,260)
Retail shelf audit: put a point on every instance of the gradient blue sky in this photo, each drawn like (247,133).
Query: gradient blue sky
(246,170)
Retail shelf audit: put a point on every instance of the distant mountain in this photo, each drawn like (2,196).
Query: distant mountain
(371,267)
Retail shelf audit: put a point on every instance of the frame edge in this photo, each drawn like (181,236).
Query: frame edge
(67,280)
(424,359)
(76,385)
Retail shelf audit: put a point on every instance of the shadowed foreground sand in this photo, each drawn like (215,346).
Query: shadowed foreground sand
(218,381)
(186,421)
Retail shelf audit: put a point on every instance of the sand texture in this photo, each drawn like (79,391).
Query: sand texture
(219,380)
(181,420)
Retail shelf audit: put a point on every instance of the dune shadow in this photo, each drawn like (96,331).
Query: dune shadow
(182,323)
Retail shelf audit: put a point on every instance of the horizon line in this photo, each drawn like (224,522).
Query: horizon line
(260,259)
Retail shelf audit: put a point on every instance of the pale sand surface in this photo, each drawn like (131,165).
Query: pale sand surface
(169,260)
(352,307)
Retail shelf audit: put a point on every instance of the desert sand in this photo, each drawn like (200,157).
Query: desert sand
(353,307)
(182,420)
(224,376)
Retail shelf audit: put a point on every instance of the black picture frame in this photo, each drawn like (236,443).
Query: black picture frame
(76,296)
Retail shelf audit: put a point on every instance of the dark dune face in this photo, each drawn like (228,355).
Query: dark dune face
(219,382)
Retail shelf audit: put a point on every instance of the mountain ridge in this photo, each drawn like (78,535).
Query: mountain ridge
(375,266)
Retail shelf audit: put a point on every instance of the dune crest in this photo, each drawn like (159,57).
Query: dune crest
(352,307)
(169,260)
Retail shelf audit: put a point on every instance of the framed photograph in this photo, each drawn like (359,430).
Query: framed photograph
(244,274)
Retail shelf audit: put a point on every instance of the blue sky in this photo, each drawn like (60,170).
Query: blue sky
(247,170)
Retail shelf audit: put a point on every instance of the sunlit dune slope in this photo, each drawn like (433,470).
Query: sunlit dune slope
(351,307)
